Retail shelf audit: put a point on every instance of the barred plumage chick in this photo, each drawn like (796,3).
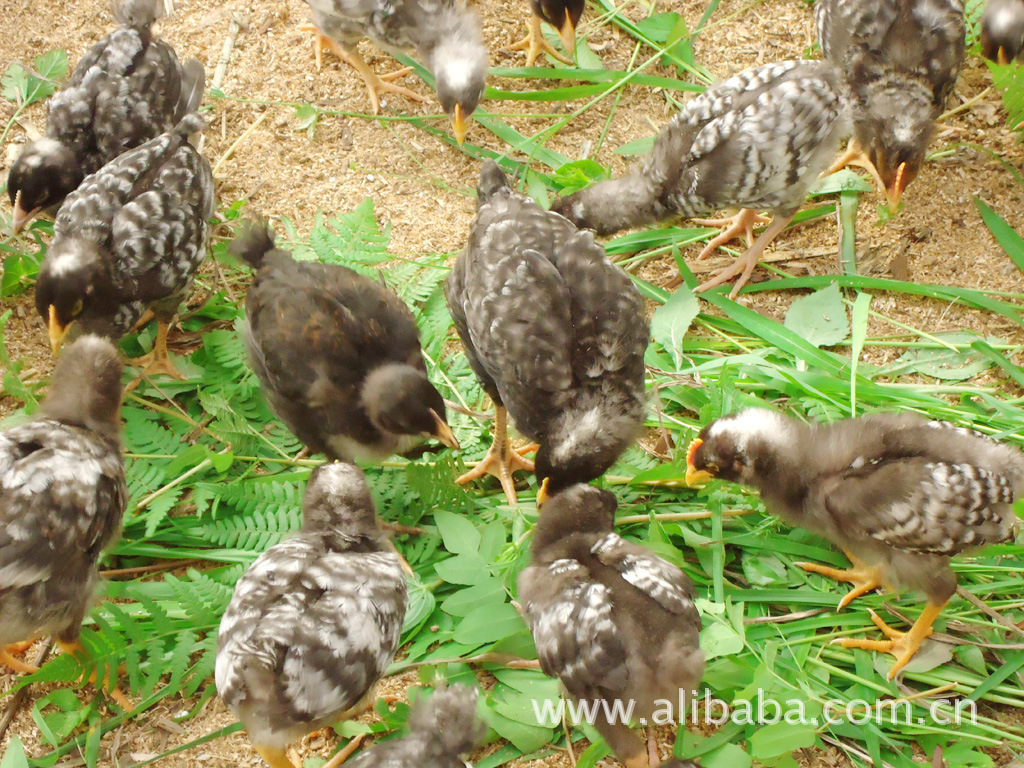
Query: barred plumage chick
(62,498)
(441,730)
(444,33)
(130,237)
(555,333)
(315,621)
(126,89)
(900,495)
(1002,30)
(563,15)
(900,59)
(757,140)
(610,619)
(338,355)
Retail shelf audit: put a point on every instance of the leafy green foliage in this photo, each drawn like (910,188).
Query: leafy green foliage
(25,87)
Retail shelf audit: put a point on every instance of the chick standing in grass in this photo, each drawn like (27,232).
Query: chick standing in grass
(563,15)
(314,622)
(900,495)
(131,236)
(62,498)
(442,729)
(757,140)
(610,619)
(126,89)
(338,356)
(900,59)
(444,33)
(555,333)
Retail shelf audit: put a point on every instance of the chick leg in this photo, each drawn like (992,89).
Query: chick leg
(855,155)
(745,263)
(374,83)
(863,577)
(534,43)
(741,224)
(501,459)
(159,359)
(902,645)
(16,665)
(116,694)
(275,758)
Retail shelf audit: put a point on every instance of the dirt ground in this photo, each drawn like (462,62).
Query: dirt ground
(423,187)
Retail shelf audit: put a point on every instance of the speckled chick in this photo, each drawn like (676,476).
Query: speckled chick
(130,237)
(1002,30)
(555,333)
(445,35)
(900,59)
(442,729)
(315,621)
(756,141)
(338,355)
(899,494)
(610,619)
(128,88)
(62,499)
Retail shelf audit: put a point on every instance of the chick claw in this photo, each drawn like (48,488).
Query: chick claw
(863,577)
(902,645)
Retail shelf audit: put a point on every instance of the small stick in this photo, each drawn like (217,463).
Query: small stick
(231,150)
(225,55)
(675,517)
(992,613)
(164,566)
(21,695)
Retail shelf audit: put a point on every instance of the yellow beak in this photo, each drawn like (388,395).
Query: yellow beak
(895,192)
(695,476)
(57,331)
(460,125)
(443,432)
(568,34)
(542,493)
(21,217)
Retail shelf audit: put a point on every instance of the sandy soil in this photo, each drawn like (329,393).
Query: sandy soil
(423,187)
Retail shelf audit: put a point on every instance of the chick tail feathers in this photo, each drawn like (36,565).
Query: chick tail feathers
(193,82)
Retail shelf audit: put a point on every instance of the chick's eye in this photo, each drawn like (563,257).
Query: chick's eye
(77,309)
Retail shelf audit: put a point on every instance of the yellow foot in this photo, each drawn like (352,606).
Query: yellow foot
(742,223)
(501,461)
(153,363)
(744,265)
(534,43)
(902,645)
(17,665)
(855,155)
(863,577)
(76,649)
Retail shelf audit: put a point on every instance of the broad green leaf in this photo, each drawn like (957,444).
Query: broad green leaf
(487,624)
(720,639)
(459,535)
(781,739)
(819,318)
(467,568)
(672,320)
(636,147)
(762,570)
(525,737)
(840,181)
(14,755)
(727,756)
(1005,235)
(487,592)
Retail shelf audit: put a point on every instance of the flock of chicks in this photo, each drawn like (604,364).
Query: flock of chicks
(553,330)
